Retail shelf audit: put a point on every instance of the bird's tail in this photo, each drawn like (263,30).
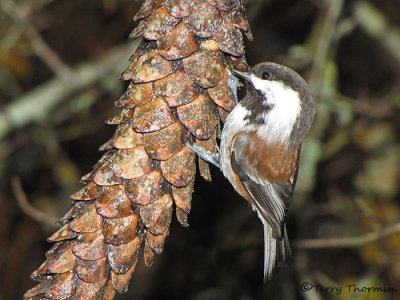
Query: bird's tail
(276,252)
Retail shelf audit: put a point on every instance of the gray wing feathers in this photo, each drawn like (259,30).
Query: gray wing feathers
(268,203)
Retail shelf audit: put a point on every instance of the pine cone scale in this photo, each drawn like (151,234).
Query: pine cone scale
(122,257)
(90,246)
(113,202)
(120,230)
(180,169)
(92,271)
(165,143)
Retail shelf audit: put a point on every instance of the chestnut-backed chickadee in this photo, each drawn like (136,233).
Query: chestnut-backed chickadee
(260,149)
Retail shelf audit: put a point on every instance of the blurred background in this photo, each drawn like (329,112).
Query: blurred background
(59,64)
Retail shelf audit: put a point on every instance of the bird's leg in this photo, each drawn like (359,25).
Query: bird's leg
(212,158)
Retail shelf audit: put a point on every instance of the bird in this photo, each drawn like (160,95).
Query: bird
(260,147)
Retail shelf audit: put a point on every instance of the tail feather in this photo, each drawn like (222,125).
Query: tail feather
(269,252)
(276,252)
(284,252)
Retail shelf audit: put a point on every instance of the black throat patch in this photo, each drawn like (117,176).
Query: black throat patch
(255,105)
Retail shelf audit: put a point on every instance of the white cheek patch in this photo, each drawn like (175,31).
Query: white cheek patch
(285,109)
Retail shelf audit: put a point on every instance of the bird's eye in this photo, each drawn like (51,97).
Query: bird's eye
(266,75)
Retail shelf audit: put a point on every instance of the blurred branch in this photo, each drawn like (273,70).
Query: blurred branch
(374,23)
(348,242)
(27,208)
(39,46)
(368,212)
(307,244)
(326,37)
(36,105)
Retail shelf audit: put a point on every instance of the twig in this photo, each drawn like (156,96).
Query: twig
(348,242)
(39,46)
(36,105)
(27,208)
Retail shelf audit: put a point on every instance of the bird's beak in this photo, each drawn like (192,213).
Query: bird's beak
(244,75)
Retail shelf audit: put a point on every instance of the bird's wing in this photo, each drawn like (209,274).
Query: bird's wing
(271,197)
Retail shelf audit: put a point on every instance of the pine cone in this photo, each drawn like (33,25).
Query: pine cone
(178,93)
